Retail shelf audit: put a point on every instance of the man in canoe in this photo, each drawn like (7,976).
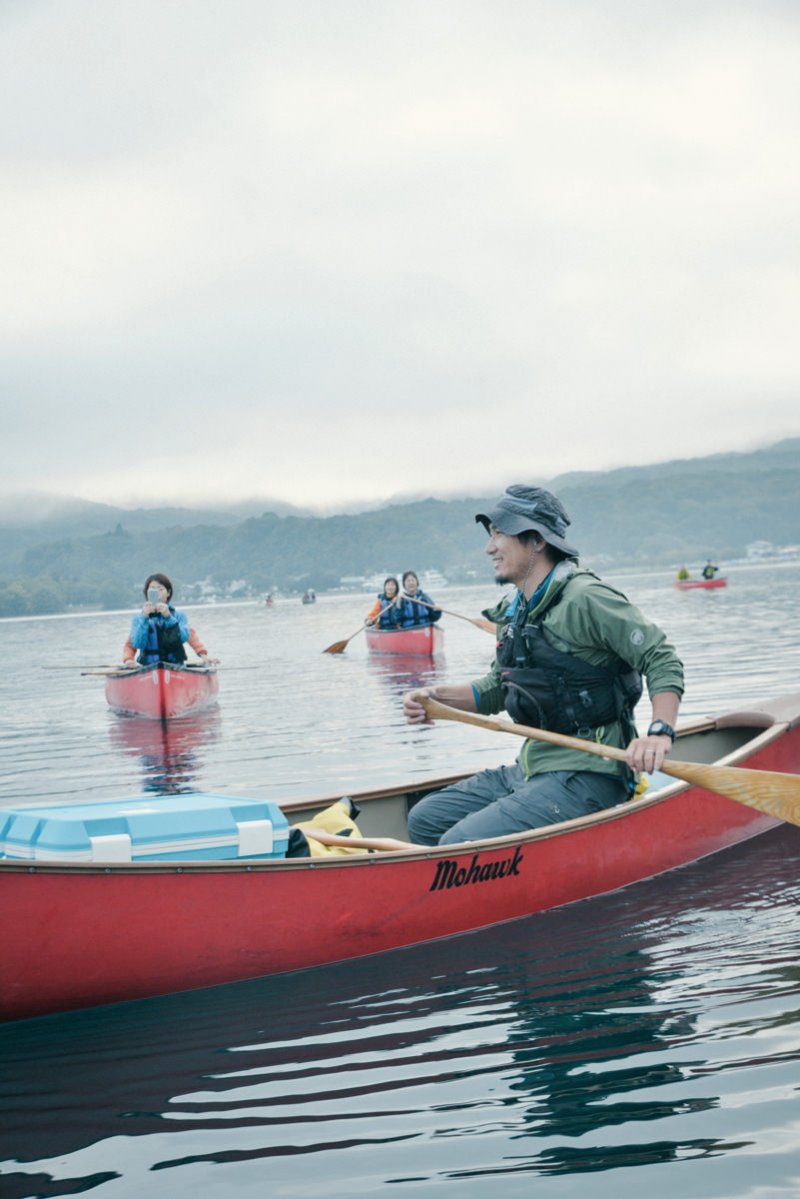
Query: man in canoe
(571,654)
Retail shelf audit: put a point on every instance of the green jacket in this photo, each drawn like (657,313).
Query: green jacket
(599,624)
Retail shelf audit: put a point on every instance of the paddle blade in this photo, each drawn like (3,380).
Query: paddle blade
(768,791)
(338,646)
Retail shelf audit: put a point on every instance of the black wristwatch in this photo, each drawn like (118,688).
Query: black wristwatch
(660,728)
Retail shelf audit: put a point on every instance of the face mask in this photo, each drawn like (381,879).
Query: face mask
(153,595)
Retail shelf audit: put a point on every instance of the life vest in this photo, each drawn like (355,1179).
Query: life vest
(389,615)
(413,613)
(163,643)
(559,691)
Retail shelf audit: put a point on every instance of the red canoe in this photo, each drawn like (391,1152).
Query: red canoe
(426,639)
(161,692)
(79,934)
(702,584)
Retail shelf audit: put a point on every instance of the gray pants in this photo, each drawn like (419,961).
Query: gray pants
(497,802)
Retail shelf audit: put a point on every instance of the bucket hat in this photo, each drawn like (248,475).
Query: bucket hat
(522,509)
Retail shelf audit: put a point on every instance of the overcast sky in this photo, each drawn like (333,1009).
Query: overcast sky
(336,250)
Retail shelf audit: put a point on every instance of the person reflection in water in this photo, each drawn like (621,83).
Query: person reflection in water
(170,752)
(589,1091)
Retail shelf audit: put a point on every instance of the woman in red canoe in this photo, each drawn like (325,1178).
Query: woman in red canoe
(159,632)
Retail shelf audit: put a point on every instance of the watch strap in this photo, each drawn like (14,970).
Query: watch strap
(660,728)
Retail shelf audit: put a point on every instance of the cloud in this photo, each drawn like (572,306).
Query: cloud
(345,245)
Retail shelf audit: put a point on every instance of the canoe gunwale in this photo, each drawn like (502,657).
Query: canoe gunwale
(132,672)
(621,811)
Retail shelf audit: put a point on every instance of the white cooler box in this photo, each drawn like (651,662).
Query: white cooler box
(145,828)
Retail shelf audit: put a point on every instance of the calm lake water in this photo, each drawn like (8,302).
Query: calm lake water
(646,1041)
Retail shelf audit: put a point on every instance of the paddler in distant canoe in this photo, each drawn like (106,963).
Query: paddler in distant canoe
(160,631)
(709,570)
(385,612)
(683,575)
(417,608)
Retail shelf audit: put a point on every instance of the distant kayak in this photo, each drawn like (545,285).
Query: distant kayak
(703,584)
(424,639)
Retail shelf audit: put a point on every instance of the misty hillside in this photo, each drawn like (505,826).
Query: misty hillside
(661,515)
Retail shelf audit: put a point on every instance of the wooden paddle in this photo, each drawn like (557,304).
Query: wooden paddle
(383,844)
(486,625)
(339,646)
(768,791)
(198,667)
(114,670)
(80,666)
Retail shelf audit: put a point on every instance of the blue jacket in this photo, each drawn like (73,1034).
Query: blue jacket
(144,632)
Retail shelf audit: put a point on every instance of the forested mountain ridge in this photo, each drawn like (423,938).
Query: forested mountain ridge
(663,514)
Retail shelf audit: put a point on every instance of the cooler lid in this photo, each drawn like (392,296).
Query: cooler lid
(67,830)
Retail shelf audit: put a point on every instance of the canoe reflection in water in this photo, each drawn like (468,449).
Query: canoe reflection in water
(168,749)
(404,672)
(582,1043)
(582,1040)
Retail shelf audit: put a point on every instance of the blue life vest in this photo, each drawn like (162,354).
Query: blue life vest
(412,613)
(163,642)
(390,613)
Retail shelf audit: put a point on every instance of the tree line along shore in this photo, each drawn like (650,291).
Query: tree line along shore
(683,511)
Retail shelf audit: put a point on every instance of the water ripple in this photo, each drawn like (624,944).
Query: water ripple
(651,1029)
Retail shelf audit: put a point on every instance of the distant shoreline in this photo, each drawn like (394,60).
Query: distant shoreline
(667,573)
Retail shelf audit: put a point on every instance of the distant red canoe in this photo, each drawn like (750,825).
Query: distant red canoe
(161,692)
(424,639)
(703,584)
